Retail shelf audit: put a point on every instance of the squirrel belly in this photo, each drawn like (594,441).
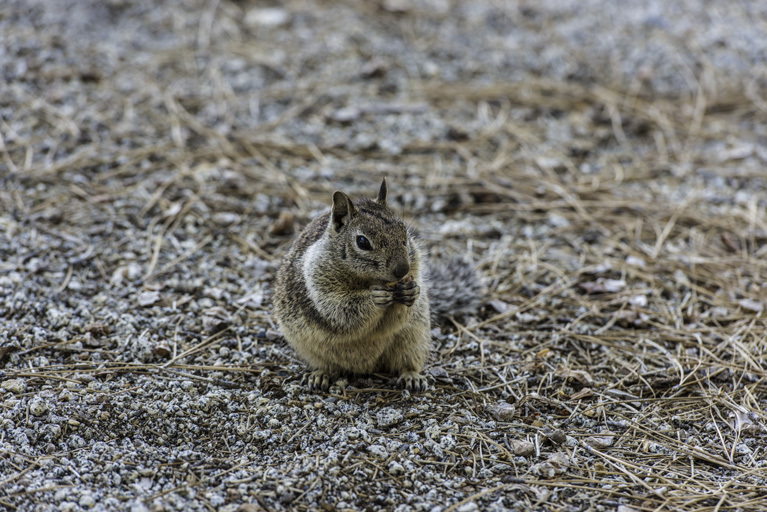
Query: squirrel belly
(344,330)
(350,295)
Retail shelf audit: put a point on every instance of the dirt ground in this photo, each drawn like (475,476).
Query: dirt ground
(603,164)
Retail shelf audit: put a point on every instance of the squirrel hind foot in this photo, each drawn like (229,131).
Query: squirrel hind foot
(413,381)
(319,380)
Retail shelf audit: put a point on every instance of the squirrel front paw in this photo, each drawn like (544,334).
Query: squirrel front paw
(404,293)
(382,294)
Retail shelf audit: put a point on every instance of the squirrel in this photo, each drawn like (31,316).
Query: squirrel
(351,295)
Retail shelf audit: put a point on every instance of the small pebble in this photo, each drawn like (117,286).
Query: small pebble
(558,436)
(267,17)
(38,406)
(388,416)
(15,386)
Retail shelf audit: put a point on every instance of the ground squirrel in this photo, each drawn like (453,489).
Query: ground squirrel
(351,297)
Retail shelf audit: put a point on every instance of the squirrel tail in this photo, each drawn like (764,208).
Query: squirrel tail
(454,287)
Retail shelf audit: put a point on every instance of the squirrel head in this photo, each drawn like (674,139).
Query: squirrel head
(368,240)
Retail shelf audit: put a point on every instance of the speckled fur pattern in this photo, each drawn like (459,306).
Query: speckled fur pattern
(332,300)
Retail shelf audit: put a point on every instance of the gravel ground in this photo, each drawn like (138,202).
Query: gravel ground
(603,165)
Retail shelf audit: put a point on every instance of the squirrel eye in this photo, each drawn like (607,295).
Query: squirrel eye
(364,244)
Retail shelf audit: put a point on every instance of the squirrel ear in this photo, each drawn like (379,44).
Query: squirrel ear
(342,212)
(382,193)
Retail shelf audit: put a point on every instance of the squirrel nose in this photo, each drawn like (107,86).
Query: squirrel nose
(401,269)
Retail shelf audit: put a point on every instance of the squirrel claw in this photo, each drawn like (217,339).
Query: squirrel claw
(407,293)
(318,380)
(413,381)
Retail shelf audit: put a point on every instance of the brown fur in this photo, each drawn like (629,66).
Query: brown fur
(334,306)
